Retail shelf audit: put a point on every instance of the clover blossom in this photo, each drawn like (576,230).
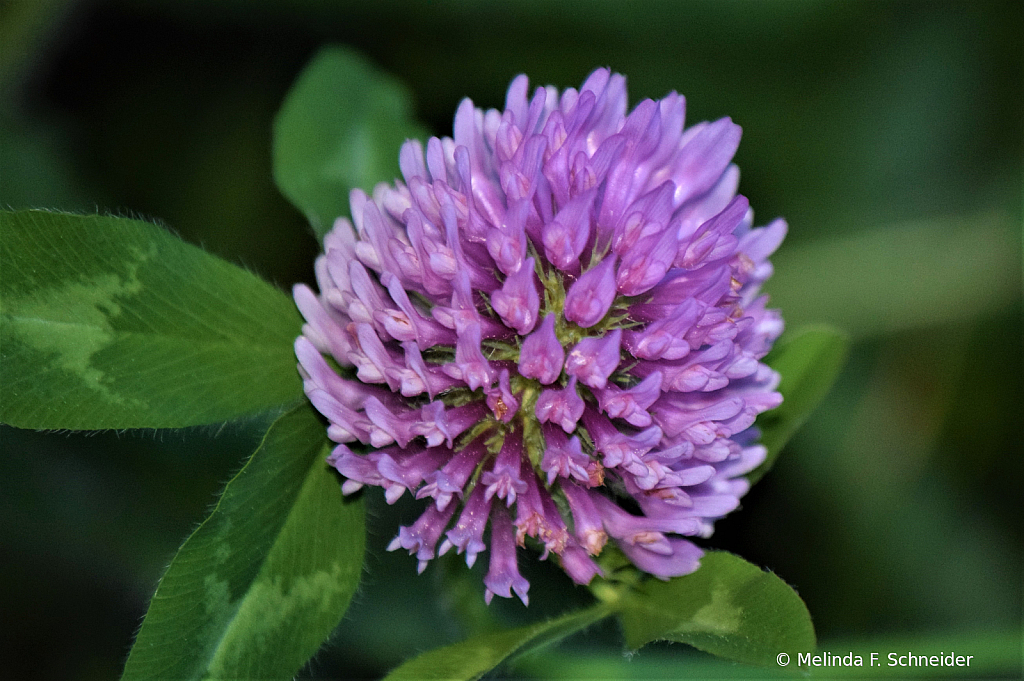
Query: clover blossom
(550,330)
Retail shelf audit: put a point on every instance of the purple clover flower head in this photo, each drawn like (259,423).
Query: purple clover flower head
(551,332)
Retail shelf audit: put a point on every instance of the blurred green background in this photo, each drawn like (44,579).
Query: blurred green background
(889,134)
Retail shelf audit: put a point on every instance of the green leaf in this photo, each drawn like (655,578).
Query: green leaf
(474,657)
(809,362)
(340,127)
(264,580)
(728,608)
(108,322)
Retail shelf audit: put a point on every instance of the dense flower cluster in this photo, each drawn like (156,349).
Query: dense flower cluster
(552,330)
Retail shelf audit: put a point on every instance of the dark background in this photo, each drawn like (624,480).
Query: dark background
(889,134)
